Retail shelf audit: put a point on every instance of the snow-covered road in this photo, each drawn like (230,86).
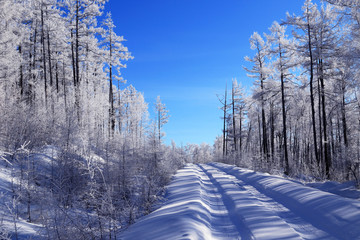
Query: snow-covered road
(218,201)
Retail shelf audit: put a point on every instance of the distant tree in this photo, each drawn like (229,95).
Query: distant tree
(224,108)
(239,111)
(162,116)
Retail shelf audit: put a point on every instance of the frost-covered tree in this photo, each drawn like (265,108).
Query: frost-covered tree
(58,74)
(115,52)
(307,23)
(162,116)
(282,50)
(304,106)
(240,110)
(260,72)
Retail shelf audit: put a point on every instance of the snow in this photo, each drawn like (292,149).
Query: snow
(346,189)
(25,229)
(218,201)
(44,159)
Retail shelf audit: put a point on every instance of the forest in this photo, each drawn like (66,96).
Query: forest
(86,157)
(302,117)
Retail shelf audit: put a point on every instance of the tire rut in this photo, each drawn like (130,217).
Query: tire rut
(252,218)
(237,220)
(290,213)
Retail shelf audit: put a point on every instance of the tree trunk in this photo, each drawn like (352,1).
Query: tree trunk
(265,139)
(321,150)
(287,169)
(57,78)
(31,95)
(77,68)
(343,114)
(233,117)
(44,54)
(119,109)
(272,130)
(260,138)
(344,130)
(312,94)
(263,119)
(64,87)
(77,43)
(49,59)
(240,130)
(73,57)
(21,80)
(326,140)
(159,126)
(224,125)
(111,95)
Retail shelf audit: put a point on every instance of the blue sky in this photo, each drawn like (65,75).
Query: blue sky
(186,50)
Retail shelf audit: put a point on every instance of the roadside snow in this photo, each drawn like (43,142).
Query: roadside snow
(219,201)
(346,189)
(10,206)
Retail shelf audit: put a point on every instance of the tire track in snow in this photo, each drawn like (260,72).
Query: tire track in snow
(303,228)
(219,201)
(193,210)
(252,218)
(219,223)
(236,219)
(313,213)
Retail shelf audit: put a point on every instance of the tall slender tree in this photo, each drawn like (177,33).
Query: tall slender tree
(260,72)
(116,52)
(162,117)
(307,24)
(282,49)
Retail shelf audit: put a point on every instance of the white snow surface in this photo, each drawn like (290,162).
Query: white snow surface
(25,229)
(218,201)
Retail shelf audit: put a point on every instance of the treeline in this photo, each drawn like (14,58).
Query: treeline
(303,115)
(59,63)
(60,89)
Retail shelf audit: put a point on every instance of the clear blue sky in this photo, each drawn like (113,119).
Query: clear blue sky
(186,50)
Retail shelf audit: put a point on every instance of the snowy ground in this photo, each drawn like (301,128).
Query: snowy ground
(218,201)
(9,206)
